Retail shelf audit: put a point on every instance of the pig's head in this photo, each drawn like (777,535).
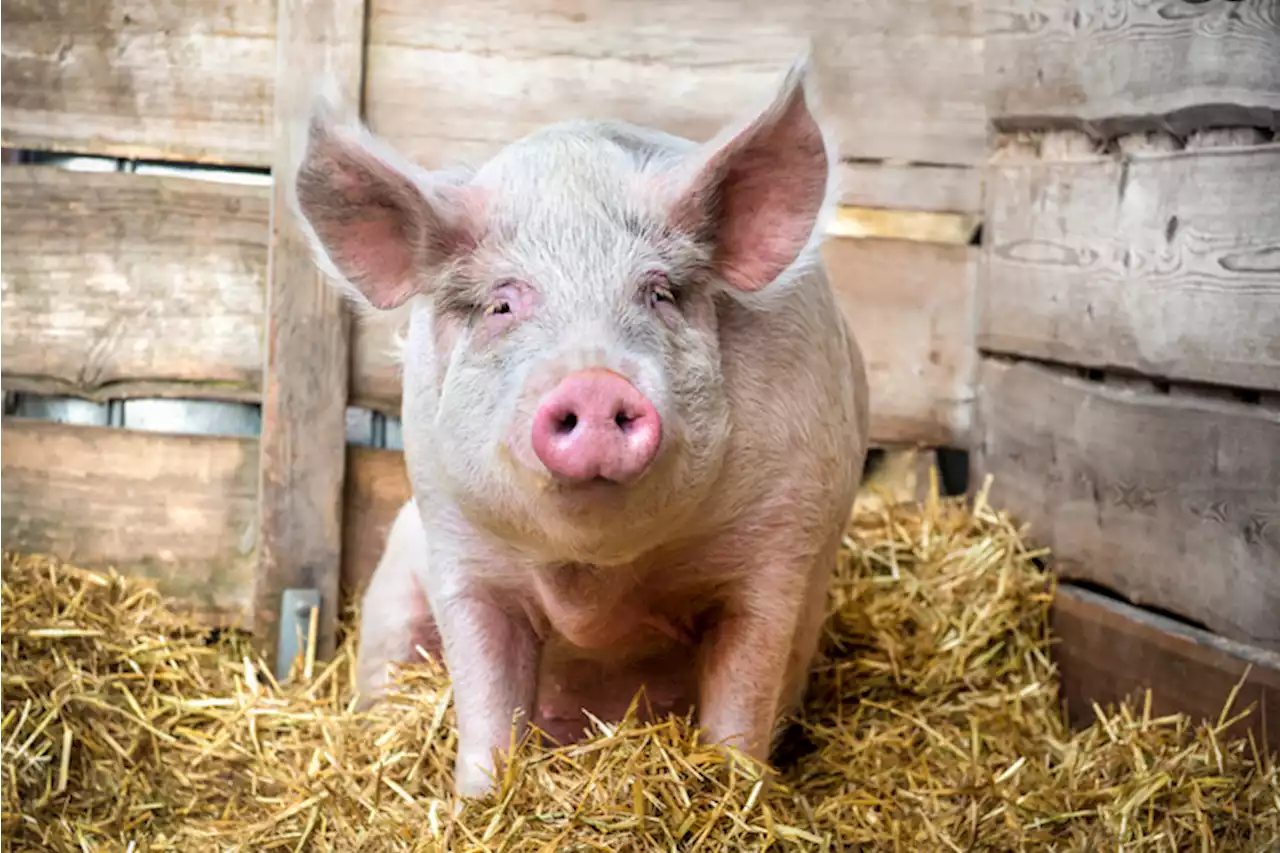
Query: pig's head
(564,353)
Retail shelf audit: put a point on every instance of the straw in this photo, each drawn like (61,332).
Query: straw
(932,724)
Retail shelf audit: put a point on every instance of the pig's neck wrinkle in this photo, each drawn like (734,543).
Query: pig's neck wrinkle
(572,578)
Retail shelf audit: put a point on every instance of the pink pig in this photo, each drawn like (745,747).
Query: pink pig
(635,418)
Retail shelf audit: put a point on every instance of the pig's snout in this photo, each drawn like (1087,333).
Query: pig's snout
(596,424)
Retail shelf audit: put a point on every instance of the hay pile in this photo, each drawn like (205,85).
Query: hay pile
(933,725)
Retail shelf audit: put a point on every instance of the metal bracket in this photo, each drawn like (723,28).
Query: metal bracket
(299,621)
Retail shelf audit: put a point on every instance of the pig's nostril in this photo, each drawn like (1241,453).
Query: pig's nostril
(595,426)
(567,424)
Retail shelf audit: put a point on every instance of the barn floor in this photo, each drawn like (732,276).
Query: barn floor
(933,725)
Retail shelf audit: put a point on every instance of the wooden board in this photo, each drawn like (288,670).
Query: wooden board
(1167,264)
(1171,500)
(917,226)
(377,487)
(1108,651)
(911,186)
(306,377)
(171,79)
(903,80)
(1132,64)
(179,509)
(910,305)
(116,285)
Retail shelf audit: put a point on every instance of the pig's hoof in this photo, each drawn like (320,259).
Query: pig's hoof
(472,778)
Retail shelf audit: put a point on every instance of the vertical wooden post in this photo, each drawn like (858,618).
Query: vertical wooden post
(305,381)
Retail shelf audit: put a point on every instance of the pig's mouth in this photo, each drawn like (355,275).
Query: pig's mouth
(597,486)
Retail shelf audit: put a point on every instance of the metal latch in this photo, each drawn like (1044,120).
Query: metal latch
(299,622)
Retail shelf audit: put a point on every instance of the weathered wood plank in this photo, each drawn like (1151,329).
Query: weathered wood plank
(118,285)
(307,370)
(1133,64)
(911,186)
(377,487)
(904,80)
(179,509)
(1108,651)
(1172,500)
(1168,264)
(918,226)
(173,79)
(911,306)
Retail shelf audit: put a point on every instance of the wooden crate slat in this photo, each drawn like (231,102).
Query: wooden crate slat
(911,186)
(189,80)
(377,487)
(118,285)
(910,306)
(1164,264)
(1133,64)
(179,509)
(903,80)
(1170,500)
(307,373)
(1108,651)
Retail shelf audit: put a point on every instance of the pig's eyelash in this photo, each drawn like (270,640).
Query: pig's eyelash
(499,299)
(658,289)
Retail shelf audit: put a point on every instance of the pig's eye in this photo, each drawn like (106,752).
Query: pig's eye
(660,290)
(499,307)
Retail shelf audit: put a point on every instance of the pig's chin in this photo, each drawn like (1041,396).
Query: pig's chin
(596,521)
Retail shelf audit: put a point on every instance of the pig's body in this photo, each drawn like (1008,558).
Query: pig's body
(567,561)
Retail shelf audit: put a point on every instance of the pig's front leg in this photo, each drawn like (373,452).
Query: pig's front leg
(492,661)
(396,617)
(754,661)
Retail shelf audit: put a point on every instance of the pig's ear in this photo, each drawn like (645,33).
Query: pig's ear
(756,191)
(375,224)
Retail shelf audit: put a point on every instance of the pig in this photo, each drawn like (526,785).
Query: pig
(635,417)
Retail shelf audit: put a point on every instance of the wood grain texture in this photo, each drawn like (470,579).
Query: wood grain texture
(170,79)
(903,80)
(1108,651)
(911,306)
(911,186)
(305,381)
(1167,264)
(181,510)
(118,285)
(1171,500)
(915,225)
(1132,64)
(377,487)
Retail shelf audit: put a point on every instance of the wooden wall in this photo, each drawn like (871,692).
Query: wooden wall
(1129,332)
(1109,352)
(144,283)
